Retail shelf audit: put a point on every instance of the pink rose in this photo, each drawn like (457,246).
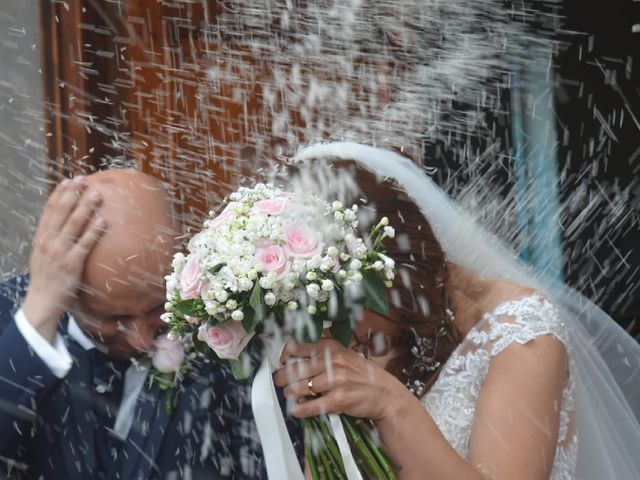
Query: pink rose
(274,206)
(301,241)
(222,217)
(191,281)
(168,355)
(228,340)
(273,259)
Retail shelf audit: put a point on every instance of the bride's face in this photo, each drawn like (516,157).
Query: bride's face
(373,337)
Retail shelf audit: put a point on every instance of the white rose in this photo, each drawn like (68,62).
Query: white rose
(327,285)
(292,305)
(313,290)
(237,315)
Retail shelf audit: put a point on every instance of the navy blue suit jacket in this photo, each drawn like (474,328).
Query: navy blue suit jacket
(47,425)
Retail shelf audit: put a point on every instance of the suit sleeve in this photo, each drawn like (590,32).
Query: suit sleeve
(25,380)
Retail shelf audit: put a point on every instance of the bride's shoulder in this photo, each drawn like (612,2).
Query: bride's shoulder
(519,318)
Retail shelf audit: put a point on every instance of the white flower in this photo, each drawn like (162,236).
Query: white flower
(252,274)
(270,298)
(168,306)
(356,277)
(339,216)
(166,317)
(326,265)
(389,274)
(314,262)
(384,221)
(293,305)
(388,283)
(172,283)
(378,265)
(244,284)
(361,251)
(222,296)
(231,304)
(332,251)
(178,261)
(355,264)
(311,309)
(336,205)
(344,256)
(349,215)
(168,354)
(327,285)
(313,290)
(389,232)
(311,276)
(342,274)
(237,315)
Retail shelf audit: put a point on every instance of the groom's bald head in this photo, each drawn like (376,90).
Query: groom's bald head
(123,286)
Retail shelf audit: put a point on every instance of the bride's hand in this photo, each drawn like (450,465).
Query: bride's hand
(341,380)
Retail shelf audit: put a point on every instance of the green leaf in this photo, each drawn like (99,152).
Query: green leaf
(247,321)
(199,345)
(169,396)
(314,333)
(375,293)
(255,300)
(216,268)
(242,367)
(193,308)
(342,332)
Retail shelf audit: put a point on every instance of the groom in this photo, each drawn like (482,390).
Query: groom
(74,337)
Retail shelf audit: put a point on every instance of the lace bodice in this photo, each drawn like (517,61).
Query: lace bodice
(452,399)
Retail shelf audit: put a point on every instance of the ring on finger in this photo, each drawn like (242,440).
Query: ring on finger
(312,392)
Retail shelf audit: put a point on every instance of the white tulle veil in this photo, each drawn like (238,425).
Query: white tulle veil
(606,359)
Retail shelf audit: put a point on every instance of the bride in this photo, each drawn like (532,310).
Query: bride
(480,370)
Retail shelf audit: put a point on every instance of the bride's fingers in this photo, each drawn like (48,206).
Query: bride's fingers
(293,348)
(298,371)
(320,384)
(333,402)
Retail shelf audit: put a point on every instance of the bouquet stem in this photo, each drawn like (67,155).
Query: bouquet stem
(325,460)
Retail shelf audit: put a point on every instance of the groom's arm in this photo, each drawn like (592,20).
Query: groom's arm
(30,368)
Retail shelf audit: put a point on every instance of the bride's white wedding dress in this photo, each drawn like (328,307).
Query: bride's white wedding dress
(452,399)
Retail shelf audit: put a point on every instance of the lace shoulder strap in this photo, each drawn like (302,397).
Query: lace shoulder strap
(518,321)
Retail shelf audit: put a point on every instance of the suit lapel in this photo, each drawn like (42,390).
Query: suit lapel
(73,407)
(147,432)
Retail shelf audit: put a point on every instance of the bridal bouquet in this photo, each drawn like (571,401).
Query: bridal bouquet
(278,261)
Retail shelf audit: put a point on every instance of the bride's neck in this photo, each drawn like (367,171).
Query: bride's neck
(467,293)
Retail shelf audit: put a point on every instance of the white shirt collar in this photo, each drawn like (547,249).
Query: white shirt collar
(78,335)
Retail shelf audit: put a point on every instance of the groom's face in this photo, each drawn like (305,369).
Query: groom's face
(126,321)
(123,292)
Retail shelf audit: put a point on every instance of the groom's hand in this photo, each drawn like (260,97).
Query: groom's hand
(68,230)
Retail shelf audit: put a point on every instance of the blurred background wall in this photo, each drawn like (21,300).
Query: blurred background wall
(22,158)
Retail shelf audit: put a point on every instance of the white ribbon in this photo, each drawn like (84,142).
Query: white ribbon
(279,455)
(350,467)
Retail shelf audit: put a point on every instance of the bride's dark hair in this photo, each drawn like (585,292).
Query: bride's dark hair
(419,292)
(418,298)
